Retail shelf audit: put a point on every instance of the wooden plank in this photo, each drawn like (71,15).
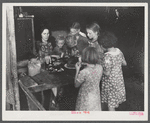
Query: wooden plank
(48,81)
(28,82)
(56,78)
(25,18)
(44,81)
(31,105)
(32,101)
(12,42)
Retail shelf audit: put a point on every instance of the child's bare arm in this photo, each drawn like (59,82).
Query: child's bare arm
(124,63)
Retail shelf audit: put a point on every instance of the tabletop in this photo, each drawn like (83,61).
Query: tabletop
(45,80)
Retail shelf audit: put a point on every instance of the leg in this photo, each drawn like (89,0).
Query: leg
(104,107)
(111,109)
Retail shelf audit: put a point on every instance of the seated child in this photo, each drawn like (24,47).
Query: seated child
(71,43)
(60,48)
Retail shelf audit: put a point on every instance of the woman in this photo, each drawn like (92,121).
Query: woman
(93,33)
(82,40)
(44,46)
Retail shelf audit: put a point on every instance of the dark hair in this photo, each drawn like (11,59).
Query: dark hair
(75,25)
(108,40)
(90,55)
(43,28)
(94,27)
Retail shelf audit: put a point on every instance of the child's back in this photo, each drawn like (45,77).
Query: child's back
(113,88)
(89,93)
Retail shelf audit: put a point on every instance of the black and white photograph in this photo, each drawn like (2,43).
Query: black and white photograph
(75,61)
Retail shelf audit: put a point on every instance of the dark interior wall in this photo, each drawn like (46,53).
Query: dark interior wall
(131,19)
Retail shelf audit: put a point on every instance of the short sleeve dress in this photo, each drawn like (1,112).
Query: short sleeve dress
(89,93)
(113,88)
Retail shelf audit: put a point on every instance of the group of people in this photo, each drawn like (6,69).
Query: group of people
(101,81)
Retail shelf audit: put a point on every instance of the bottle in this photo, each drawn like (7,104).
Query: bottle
(50,66)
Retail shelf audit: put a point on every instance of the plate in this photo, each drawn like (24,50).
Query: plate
(55,56)
(69,67)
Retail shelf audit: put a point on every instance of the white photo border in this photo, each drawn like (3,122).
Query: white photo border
(66,115)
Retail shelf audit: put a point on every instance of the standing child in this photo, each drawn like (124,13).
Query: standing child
(60,48)
(113,88)
(82,40)
(88,80)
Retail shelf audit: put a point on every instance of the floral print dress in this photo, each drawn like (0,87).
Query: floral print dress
(113,88)
(44,49)
(89,93)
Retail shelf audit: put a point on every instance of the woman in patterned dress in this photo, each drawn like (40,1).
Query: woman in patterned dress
(88,80)
(113,88)
(44,46)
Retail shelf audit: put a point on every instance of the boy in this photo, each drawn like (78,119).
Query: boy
(60,48)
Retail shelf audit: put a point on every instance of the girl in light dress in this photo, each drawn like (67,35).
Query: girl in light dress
(113,88)
(93,32)
(88,80)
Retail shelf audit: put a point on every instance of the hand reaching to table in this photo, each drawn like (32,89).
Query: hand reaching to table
(78,66)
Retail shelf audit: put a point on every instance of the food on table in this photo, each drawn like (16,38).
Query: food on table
(56,63)
(72,61)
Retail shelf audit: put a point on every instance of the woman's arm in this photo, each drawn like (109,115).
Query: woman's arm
(77,84)
(124,63)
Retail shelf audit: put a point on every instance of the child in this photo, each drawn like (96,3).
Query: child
(88,80)
(71,42)
(82,40)
(113,88)
(60,48)
(76,29)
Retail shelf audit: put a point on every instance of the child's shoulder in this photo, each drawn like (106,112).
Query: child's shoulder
(99,67)
(117,52)
(85,70)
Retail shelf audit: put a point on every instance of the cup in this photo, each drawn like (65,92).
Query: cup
(47,59)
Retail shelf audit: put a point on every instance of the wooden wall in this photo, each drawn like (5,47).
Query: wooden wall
(11,66)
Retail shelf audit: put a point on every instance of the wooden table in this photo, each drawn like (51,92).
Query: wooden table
(43,81)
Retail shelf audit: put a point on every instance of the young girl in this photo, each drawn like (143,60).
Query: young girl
(113,88)
(88,80)
(60,48)
(93,33)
